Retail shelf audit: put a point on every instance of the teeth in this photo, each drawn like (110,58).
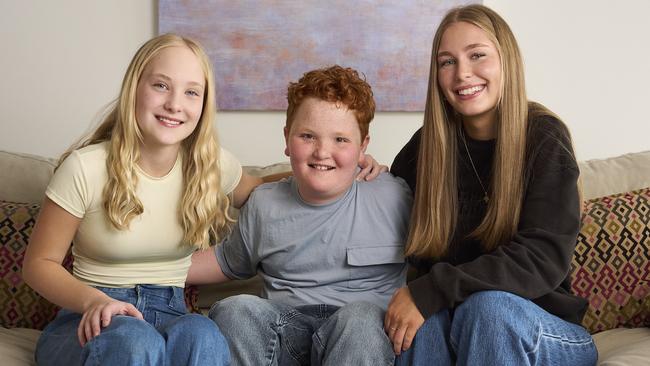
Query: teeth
(168,121)
(472,90)
(321,167)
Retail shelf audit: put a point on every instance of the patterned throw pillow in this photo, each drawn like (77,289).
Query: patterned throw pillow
(20,306)
(611,264)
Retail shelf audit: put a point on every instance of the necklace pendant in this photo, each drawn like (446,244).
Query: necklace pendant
(486,199)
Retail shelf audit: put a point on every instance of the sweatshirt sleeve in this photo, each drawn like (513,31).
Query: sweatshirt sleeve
(406,162)
(537,259)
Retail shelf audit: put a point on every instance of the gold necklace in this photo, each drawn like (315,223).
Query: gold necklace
(486,198)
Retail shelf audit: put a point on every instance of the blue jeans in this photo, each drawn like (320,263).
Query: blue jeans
(499,328)
(262,332)
(167,336)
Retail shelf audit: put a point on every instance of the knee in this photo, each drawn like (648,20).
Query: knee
(493,307)
(196,324)
(356,328)
(131,335)
(198,329)
(355,319)
(360,315)
(239,304)
(231,311)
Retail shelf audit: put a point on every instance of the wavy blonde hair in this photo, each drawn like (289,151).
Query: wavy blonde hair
(203,207)
(436,208)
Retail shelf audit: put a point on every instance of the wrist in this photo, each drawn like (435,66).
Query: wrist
(95,298)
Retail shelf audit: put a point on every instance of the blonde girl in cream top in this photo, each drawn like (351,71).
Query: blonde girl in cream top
(137,198)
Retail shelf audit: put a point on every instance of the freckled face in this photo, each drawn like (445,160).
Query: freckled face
(169,97)
(469,72)
(324,146)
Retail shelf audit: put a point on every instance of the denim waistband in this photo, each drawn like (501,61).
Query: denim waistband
(143,290)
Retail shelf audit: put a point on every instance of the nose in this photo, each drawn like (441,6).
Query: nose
(463,70)
(321,150)
(172,104)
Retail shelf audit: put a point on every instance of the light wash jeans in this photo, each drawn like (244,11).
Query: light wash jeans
(167,336)
(262,332)
(499,328)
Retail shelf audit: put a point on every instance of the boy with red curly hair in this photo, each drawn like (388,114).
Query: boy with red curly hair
(328,248)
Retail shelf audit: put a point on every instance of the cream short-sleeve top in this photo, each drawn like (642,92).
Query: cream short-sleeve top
(151,250)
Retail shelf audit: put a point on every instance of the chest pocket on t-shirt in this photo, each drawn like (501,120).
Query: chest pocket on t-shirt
(376,266)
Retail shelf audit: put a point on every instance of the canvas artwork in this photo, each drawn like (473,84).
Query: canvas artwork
(258,46)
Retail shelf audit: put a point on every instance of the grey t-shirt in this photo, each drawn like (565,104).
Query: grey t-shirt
(346,251)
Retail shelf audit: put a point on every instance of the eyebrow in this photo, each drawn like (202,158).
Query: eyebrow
(468,47)
(163,76)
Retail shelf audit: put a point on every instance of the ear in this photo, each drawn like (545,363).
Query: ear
(364,144)
(286,141)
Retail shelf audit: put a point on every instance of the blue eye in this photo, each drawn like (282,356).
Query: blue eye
(306,136)
(476,56)
(446,62)
(193,93)
(160,86)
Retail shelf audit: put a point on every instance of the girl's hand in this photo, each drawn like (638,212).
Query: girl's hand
(102,312)
(402,321)
(370,168)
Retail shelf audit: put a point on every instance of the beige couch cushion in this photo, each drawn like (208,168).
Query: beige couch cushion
(623,347)
(24,177)
(603,177)
(17,346)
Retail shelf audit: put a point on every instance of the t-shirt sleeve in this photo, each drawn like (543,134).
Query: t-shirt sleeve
(68,187)
(538,257)
(236,254)
(231,171)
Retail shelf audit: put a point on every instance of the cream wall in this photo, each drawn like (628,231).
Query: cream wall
(62,61)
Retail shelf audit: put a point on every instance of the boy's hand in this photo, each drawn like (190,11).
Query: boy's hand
(370,168)
(402,321)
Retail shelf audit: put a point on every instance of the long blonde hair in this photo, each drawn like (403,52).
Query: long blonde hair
(436,208)
(203,207)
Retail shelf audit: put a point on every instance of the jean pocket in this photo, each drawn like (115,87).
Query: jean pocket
(370,264)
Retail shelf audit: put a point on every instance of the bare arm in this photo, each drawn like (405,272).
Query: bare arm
(276,177)
(205,269)
(42,270)
(246,185)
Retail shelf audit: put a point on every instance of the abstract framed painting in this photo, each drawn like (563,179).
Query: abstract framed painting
(258,46)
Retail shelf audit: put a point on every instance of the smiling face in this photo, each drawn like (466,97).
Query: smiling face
(469,72)
(169,98)
(324,145)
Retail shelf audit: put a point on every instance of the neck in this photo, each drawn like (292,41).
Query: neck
(481,127)
(159,161)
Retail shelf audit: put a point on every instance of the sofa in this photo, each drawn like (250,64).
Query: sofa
(611,265)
